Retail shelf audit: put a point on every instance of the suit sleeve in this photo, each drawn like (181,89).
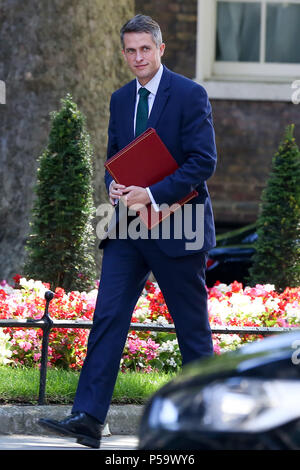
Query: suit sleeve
(198,146)
(112,146)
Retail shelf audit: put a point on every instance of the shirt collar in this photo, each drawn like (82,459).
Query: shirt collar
(153,85)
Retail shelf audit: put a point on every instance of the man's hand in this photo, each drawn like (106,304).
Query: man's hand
(115,191)
(135,197)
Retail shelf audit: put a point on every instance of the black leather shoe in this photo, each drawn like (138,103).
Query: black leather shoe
(85,428)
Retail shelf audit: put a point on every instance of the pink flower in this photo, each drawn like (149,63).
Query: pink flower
(152,343)
(20,334)
(25,345)
(133,345)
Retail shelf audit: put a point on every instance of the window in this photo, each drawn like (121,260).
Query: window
(250,41)
(238,31)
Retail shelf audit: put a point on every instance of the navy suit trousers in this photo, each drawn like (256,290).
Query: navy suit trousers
(126,266)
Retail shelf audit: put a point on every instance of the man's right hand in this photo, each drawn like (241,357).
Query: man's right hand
(115,192)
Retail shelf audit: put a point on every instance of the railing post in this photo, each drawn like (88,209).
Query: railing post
(45,343)
(46,324)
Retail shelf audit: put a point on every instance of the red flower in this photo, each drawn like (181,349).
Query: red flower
(236,286)
(59,292)
(3,294)
(17,278)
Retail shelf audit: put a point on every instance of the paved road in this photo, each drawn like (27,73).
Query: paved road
(25,442)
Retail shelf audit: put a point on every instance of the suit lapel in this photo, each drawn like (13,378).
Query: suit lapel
(129,108)
(161,98)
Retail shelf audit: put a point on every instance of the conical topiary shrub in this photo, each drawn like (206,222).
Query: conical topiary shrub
(61,242)
(277,257)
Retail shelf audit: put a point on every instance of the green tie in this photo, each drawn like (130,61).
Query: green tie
(142,112)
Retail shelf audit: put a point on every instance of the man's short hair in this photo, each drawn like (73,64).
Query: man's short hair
(142,24)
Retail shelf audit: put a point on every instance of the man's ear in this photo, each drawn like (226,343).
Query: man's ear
(162,48)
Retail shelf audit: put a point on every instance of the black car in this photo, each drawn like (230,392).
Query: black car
(243,400)
(231,259)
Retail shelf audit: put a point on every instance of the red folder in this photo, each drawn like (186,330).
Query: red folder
(143,162)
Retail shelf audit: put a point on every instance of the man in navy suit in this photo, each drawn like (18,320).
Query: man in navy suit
(179,110)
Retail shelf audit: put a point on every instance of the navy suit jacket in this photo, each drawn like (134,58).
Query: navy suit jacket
(182,117)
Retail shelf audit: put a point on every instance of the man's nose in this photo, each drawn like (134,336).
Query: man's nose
(139,56)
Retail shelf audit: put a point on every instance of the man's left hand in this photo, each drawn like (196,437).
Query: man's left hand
(135,197)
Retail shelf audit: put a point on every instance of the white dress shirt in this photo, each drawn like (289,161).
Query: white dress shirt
(151,86)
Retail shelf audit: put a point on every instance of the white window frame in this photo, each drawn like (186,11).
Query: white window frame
(239,80)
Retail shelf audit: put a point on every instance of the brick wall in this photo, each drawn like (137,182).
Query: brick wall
(248,134)
(178,22)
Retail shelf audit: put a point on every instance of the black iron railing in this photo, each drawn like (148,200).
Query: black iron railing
(46,323)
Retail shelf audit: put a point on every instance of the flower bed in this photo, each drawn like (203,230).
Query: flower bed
(144,350)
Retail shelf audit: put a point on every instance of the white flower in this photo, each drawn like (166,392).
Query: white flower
(219,309)
(171,362)
(272,304)
(161,320)
(168,346)
(32,285)
(269,287)
(292,311)
(223,288)
(5,352)
(230,339)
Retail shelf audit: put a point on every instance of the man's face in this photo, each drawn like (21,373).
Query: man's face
(142,55)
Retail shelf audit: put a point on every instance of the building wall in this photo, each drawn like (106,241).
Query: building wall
(247,132)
